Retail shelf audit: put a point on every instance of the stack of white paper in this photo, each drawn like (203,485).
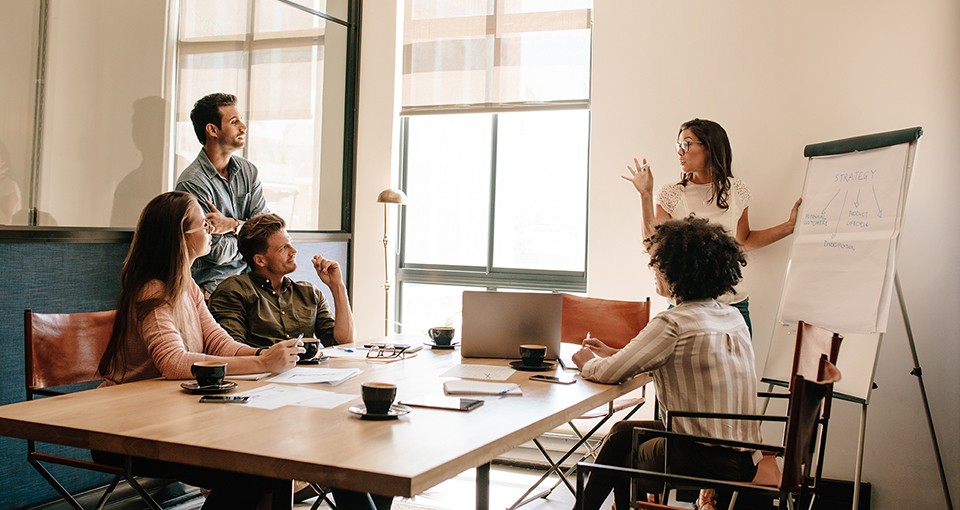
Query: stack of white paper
(310,375)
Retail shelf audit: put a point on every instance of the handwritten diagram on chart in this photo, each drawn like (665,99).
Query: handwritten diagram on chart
(842,260)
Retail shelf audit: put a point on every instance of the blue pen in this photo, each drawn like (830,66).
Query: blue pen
(508,390)
(345,350)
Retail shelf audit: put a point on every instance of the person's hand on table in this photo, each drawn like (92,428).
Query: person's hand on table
(282,356)
(581,357)
(599,348)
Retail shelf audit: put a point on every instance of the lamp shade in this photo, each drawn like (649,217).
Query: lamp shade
(392,196)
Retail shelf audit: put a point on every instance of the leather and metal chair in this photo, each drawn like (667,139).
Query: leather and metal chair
(616,323)
(813,344)
(322,495)
(62,352)
(807,399)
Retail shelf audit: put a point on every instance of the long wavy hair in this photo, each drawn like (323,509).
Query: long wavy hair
(714,140)
(159,252)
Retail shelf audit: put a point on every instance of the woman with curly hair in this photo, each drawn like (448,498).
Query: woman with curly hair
(701,359)
(707,189)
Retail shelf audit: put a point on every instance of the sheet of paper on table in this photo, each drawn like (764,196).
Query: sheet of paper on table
(273,396)
(345,352)
(481,372)
(249,377)
(313,375)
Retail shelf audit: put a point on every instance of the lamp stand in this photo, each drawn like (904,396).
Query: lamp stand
(386,277)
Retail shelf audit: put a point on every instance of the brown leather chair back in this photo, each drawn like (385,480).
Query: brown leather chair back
(807,397)
(812,343)
(614,322)
(64,349)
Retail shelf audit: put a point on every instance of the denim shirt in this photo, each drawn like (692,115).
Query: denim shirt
(247,307)
(239,197)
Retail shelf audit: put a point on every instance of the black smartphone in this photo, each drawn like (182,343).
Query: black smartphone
(224,399)
(443,402)
(563,379)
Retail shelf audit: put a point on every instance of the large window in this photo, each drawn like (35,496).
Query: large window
(495,140)
(285,62)
(96,113)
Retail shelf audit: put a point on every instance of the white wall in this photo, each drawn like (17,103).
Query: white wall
(103,112)
(777,76)
(18,38)
(377,161)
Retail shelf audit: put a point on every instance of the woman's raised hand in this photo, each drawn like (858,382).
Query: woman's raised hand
(641,177)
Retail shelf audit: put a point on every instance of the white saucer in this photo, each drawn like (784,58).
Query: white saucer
(396,411)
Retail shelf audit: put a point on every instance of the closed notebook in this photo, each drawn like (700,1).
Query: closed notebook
(467,387)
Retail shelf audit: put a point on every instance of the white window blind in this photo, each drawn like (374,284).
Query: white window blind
(496,54)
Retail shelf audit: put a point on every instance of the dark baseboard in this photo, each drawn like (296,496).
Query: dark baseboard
(166,492)
(838,495)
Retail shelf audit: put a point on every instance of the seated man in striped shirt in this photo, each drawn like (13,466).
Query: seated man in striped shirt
(701,359)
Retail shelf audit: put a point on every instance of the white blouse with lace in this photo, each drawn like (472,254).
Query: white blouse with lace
(694,199)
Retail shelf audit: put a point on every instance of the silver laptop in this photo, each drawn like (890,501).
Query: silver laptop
(495,324)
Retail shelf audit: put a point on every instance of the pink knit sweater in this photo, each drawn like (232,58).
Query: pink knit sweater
(155,348)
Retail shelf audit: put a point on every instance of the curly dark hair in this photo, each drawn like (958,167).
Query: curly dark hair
(699,259)
(207,111)
(255,233)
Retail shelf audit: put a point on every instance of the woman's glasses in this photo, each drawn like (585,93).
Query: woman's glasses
(684,146)
(206,226)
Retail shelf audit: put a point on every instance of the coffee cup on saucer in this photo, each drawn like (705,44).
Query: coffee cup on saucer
(378,396)
(441,335)
(209,374)
(532,354)
(311,346)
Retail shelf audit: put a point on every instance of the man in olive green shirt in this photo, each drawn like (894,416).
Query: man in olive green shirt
(264,306)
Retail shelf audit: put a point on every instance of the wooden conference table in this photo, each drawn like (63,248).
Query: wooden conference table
(156,419)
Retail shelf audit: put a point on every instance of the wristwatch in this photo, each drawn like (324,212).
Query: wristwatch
(236,230)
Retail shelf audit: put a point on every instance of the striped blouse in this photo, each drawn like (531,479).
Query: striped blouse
(701,359)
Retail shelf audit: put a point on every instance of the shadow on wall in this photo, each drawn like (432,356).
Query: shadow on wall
(10,198)
(13,210)
(145,181)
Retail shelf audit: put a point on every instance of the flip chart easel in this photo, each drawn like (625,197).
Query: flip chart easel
(842,269)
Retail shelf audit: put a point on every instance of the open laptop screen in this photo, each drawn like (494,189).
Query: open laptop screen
(495,324)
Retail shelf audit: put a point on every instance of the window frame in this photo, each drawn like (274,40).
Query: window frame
(488,276)
(351,85)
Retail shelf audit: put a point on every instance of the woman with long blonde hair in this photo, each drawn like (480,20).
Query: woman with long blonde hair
(163,327)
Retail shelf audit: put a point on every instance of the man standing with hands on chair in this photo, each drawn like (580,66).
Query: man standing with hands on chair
(227,186)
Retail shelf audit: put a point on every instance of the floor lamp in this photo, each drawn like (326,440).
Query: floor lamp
(388,196)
